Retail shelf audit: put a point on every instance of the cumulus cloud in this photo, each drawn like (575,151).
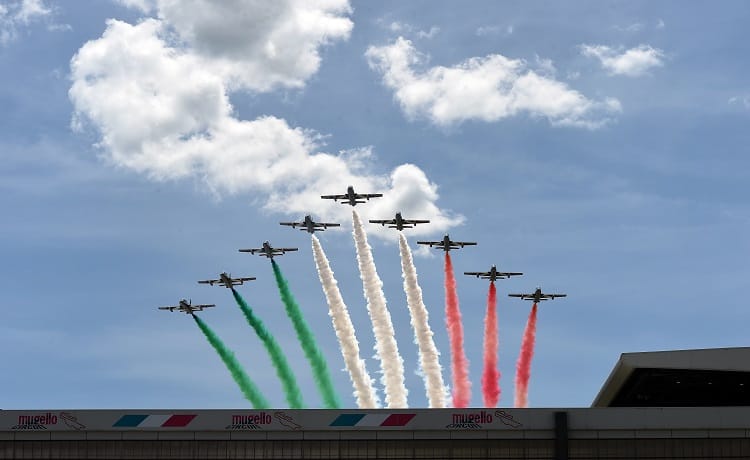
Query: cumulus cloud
(21,13)
(631,63)
(488,89)
(162,108)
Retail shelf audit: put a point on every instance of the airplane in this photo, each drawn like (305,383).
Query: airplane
(309,225)
(352,198)
(268,251)
(399,222)
(537,296)
(226,280)
(446,244)
(186,306)
(493,274)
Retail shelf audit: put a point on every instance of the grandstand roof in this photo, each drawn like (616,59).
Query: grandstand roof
(688,378)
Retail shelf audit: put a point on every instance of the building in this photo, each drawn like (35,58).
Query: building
(660,405)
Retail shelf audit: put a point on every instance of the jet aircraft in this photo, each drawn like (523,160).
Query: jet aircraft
(446,244)
(537,296)
(399,222)
(310,226)
(226,280)
(268,251)
(351,197)
(493,274)
(186,306)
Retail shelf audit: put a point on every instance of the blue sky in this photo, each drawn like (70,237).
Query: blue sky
(598,148)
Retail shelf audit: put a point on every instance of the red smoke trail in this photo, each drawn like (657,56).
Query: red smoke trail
(523,367)
(491,374)
(459,363)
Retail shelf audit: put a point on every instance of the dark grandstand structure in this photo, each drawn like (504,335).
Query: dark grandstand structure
(690,404)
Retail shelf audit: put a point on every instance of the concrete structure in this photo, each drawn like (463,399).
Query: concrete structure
(708,432)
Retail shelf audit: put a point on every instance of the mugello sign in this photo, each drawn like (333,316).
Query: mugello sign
(272,420)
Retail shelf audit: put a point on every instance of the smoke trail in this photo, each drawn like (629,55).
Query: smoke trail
(307,340)
(428,353)
(283,370)
(247,386)
(342,324)
(523,367)
(386,347)
(459,363)
(491,374)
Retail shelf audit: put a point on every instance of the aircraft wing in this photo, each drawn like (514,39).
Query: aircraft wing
(290,224)
(251,251)
(369,195)
(415,221)
(285,249)
(465,243)
(327,224)
(334,197)
(477,274)
(510,273)
(552,296)
(382,221)
(431,243)
(242,280)
(211,282)
(522,296)
(202,306)
(167,308)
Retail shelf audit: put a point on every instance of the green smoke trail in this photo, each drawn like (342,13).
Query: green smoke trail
(307,340)
(283,370)
(247,386)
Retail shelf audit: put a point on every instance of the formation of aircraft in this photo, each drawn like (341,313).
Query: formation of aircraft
(226,280)
(446,244)
(186,306)
(493,274)
(399,222)
(310,226)
(537,296)
(268,251)
(351,197)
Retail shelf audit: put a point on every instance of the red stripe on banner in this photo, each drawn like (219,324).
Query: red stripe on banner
(397,419)
(177,421)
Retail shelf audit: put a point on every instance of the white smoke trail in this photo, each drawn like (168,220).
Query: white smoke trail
(385,339)
(428,353)
(342,324)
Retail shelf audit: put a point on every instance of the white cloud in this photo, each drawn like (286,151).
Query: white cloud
(164,110)
(142,5)
(396,26)
(430,33)
(546,66)
(632,63)
(743,101)
(405,28)
(488,89)
(20,13)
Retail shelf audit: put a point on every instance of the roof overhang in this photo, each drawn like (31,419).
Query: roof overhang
(728,367)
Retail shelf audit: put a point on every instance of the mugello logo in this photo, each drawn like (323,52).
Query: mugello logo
(470,420)
(35,422)
(250,421)
(477,420)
